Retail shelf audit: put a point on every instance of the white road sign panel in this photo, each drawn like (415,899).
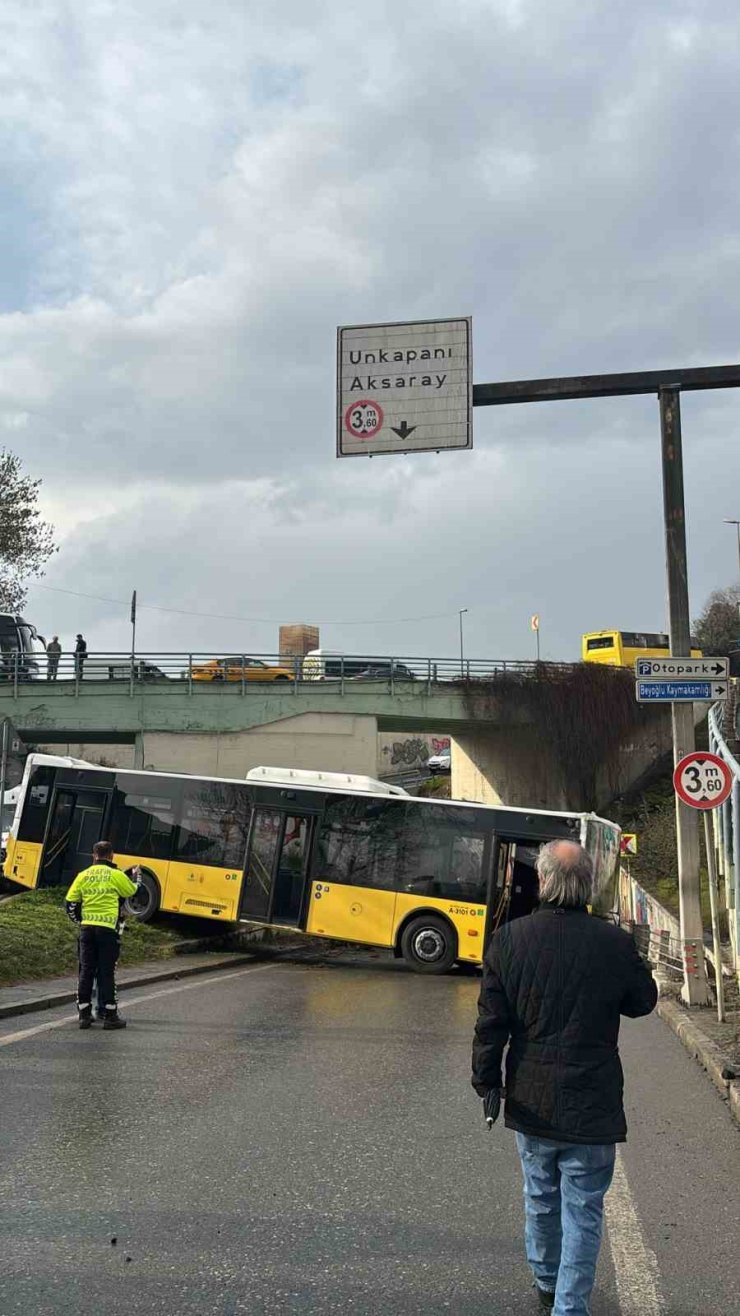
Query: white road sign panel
(404,387)
(707,669)
(680,692)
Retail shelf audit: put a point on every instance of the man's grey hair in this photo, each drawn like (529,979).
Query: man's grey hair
(566,874)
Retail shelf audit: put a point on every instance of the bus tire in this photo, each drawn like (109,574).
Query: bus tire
(144,905)
(429,944)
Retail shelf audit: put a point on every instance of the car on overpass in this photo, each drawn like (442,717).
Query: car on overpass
(384,671)
(440,763)
(240,668)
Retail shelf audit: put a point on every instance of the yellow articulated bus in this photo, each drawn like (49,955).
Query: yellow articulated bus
(321,853)
(621,648)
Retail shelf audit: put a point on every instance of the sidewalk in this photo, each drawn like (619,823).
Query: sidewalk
(47,993)
(714,1045)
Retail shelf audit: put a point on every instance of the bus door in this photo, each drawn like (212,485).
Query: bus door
(76,823)
(276,868)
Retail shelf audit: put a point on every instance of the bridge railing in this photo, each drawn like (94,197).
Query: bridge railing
(726,831)
(105,672)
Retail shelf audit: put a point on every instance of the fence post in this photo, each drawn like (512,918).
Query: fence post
(429,676)
(244,674)
(190,673)
(131,678)
(735,912)
(15,673)
(393,673)
(713,901)
(341,675)
(296,665)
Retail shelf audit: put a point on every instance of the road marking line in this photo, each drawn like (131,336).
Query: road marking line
(635,1264)
(203,980)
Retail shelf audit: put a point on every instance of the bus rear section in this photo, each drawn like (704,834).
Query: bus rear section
(623,648)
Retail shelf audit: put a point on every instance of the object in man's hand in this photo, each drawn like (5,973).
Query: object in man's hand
(492,1106)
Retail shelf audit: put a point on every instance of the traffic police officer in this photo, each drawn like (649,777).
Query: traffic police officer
(93,903)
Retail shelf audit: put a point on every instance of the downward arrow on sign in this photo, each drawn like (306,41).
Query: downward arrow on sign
(403,430)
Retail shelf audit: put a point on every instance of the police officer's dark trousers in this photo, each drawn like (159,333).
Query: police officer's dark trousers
(99,948)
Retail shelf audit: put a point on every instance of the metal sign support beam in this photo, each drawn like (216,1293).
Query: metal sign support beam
(696,988)
(668,385)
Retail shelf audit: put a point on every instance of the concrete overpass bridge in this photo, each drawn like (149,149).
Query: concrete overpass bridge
(513,725)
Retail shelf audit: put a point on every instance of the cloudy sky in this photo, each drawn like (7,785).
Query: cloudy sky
(195,195)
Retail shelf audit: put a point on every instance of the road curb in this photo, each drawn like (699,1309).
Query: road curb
(54,999)
(711,1057)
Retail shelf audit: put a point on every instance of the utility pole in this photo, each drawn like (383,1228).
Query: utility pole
(728,521)
(133,628)
(462,650)
(4,763)
(695,990)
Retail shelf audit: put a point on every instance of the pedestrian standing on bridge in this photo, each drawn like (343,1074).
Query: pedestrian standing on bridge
(93,902)
(53,654)
(80,655)
(554,986)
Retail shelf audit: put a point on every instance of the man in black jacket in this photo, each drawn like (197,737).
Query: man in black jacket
(554,987)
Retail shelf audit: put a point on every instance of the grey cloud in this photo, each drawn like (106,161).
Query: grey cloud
(225,191)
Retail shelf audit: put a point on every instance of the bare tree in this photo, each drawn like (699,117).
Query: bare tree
(718,627)
(26,540)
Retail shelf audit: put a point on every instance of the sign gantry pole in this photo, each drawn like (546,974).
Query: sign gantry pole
(696,988)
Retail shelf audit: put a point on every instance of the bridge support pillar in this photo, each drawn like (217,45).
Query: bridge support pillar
(511,765)
(139,750)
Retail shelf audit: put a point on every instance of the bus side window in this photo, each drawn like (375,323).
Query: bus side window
(359,841)
(214,825)
(143,824)
(442,856)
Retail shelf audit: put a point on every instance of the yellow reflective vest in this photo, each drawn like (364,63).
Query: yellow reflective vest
(99,889)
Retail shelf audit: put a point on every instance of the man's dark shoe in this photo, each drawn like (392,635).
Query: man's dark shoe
(545,1298)
(85,1016)
(114,1021)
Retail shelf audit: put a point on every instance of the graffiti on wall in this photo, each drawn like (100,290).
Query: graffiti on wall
(409,751)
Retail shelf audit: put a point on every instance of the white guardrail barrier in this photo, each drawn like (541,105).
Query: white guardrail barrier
(726,829)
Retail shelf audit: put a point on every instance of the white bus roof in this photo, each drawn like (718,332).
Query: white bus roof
(328,781)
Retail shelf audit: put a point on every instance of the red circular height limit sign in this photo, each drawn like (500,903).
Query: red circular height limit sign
(702,780)
(364,419)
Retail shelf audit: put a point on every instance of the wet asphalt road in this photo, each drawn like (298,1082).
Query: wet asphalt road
(300,1136)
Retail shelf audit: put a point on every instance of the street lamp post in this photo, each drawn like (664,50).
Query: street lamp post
(462,650)
(729,521)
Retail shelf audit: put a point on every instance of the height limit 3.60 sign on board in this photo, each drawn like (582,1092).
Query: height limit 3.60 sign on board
(404,387)
(702,780)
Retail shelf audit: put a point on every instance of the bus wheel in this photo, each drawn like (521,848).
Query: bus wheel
(429,945)
(144,905)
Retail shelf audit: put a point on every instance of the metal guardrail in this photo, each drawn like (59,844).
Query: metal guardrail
(106,672)
(726,830)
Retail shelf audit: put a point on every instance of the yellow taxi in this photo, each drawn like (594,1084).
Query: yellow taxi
(239,669)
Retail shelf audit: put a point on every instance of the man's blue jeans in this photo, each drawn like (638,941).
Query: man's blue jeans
(564,1188)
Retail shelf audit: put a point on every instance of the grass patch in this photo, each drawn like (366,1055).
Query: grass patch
(37,939)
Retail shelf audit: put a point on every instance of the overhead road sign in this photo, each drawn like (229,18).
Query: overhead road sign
(680,692)
(708,669)
(404,387)
(702,780)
